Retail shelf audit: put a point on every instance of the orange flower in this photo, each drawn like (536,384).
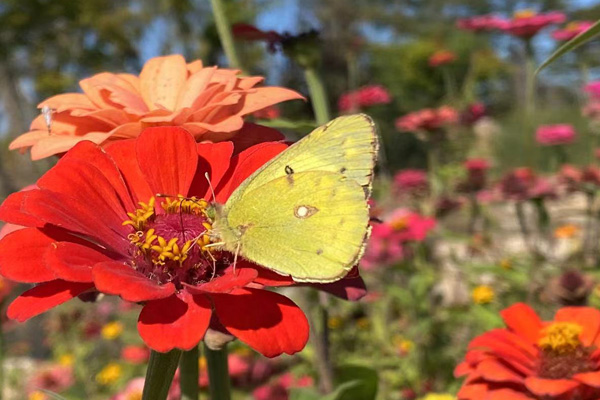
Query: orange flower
(566,231)
(208,102)
(533,359)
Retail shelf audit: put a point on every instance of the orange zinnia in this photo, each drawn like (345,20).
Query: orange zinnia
(209,102)
(533,359)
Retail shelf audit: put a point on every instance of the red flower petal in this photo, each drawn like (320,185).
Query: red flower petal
(11,212)
(123,153)
(227,282)
(507,346)
(117,278)
(44,297)
(244,164)
(72,262)
(253,134)
(179,321)
(92,154)
(550,387)
(214,160)
(498,372)
(168,159)
(91,188)
(589,378)
(266,277)
(523,320)
(21,256)
(68,213)
(587,317)
(476,391)
(266,321)
(506,394)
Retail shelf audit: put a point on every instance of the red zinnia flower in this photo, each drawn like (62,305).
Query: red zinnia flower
(552,135)
(365,96)
(481,23)
(572,29)
(527,23)
(93,223)
(442,57)
(533,359)
(427,119)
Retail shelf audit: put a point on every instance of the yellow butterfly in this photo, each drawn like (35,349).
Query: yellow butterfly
(305,212)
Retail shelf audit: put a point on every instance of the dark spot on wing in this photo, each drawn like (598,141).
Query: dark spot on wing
(288,170)
(305,211)
(319,252)
(342,170)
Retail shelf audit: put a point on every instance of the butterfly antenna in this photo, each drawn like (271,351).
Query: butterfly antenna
(212,191)
(235,256)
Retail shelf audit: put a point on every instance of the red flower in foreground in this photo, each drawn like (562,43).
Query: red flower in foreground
(94,224)
(209,102)
(532,359)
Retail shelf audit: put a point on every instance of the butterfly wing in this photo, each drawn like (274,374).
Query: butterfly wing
(310,225)
(347,145)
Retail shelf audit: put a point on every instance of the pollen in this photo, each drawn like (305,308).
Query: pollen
(561,337)
(399,224)
(141,216)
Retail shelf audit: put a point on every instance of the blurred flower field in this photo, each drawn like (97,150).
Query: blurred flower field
(478,278)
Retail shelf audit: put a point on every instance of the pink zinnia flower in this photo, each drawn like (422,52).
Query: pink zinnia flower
(412,181)
(54,378)
(442,57)
(135,354)
(427,119)
(552,135)
(476,175)
(481,23)
(366,96)
(473,113)
(572,30)
(527,23)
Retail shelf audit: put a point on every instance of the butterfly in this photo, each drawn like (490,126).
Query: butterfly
(305,213)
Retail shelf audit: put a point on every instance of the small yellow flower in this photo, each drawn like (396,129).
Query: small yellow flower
(438,396)
(112,330)
(242,351)
(334,322)
(527,13)
(134,396)
(37,395)
(566,231)
(482,294)
(403,345)
(506,263)
(363,323)
(202,363)
(66,360)
(109,374)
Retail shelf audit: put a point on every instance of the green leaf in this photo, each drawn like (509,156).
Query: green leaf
(571,45)
(281,123)
(364,382)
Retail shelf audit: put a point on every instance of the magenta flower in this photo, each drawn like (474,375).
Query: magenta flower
(473,113)
(481,23)
(411,181)
(527,23)
(552,135)
(572,30)
(366,96)
(593,90)
(427,119)
(523,184)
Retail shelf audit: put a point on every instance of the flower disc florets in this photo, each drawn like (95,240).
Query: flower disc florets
(171,241)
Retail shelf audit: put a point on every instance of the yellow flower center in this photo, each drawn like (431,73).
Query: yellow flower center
(37,395)
(439,396)
(134,396)
(399,223)
(483,294)
(202,363)
(334,322)
(561,337)
(527,13)
(573,26)
(506,263)
(109,374)
(112,330)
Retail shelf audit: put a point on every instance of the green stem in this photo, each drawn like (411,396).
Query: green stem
(159,375)
(529,80)
(188,372)
(224,30)
(318,95)
(218,373)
